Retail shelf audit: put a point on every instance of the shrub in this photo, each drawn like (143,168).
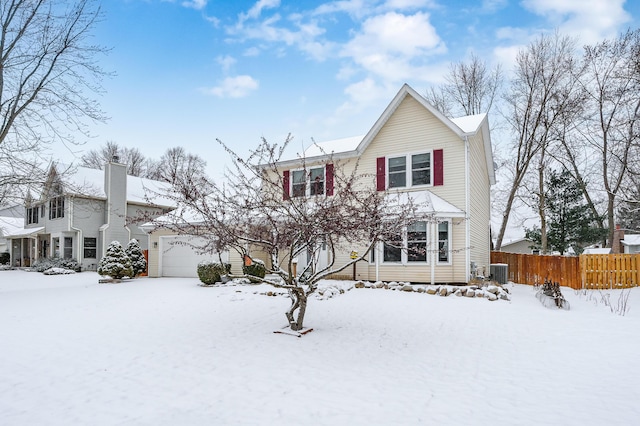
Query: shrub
(211,272)
(45,263)
(5,258)
(115,262)
(256,269)
(138,262)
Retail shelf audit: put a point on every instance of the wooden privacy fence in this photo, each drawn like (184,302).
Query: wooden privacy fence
(592,271)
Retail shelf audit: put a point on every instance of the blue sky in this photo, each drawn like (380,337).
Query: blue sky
(188,72)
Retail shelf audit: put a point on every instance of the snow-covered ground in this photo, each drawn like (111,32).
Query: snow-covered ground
(169,352)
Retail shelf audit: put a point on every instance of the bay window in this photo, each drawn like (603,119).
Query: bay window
(418,244)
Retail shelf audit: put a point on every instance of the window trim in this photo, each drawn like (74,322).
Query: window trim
(86,247)
(408,169)
(404,257)
(56,207)
(449,252)
(32,215)
(307,182)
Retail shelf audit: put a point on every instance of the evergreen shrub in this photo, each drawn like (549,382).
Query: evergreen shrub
(211,272)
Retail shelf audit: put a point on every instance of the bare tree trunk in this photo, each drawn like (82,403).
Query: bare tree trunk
(541,205)
(298,302)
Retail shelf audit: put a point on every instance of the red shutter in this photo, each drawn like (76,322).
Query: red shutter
(328,170)
(438,167)
(285,185)
(380,173)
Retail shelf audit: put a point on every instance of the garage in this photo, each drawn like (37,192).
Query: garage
(178,258)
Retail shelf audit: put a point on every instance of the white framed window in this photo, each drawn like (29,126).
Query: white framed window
(409,170)
(444,242)
(56,207)
(415,245)
(307,182)
(90,247)
(32,215)
(417,242)
(68,248)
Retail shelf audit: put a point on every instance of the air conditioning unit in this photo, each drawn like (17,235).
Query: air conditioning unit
(499,272)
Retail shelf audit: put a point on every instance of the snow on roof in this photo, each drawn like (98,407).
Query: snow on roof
(591,250)
(90,182)
(469,123)
(631,240)
(333,146)
(428,202)
(25,232)
(10,225)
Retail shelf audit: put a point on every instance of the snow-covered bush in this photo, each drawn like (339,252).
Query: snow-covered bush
(255,269)
(115,262)
(138,262)
(45,263)
(58,271)
(211,272)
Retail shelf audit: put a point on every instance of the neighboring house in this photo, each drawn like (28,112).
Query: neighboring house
(412,148)
(597,250)
(519,246)
(79,211)
(631,244)
(10,222)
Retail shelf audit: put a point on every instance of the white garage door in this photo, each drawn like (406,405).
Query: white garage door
(179,259)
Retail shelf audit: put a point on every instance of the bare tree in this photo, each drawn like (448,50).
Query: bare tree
(252,213)
(612,83)
(132,157)
(536,102)
(470,88)
(48,70)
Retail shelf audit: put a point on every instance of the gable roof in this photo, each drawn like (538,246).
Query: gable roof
(355,146)
(87,182)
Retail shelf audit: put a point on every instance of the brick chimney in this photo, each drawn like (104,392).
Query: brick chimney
(616,244)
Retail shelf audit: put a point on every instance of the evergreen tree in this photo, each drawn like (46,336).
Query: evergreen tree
(629,211)
(569,219)
(138,262)
(115,262)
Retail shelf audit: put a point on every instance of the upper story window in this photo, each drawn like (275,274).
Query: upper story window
(308,182)
(403,171)
(298,183)
(32,215)
(409,170)
(56,207)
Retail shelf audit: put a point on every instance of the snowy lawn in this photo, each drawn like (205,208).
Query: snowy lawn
(168,352)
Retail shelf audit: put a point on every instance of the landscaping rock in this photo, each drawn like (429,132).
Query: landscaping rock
(359,284)
(444,291)
(407,287)
(432,290)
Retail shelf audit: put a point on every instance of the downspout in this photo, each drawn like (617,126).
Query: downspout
(467,224)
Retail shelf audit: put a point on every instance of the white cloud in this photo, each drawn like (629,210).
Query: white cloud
(234,87)
(252,51)
(226,61)
(589,20)
(257,8)
(195,4)
(393,46)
